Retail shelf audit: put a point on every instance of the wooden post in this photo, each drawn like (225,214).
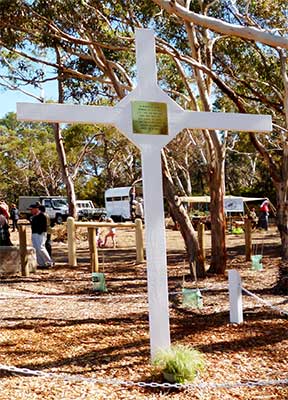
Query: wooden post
(93,249)
(23,250)
(248,239)
(235,297)
(139,241)
(72,260)
(201,240)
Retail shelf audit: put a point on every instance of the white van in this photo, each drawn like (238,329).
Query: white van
(117,203)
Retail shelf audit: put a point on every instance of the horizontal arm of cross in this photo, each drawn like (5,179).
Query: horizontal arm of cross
(224,121)
(67,113)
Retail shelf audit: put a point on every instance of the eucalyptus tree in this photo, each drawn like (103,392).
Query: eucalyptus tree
(89,45)
(106,155)
(249,42)
(245,171)
(28,158)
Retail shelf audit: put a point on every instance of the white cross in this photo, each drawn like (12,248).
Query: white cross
(150,119)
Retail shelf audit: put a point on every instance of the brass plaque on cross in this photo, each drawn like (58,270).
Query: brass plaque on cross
(149,118)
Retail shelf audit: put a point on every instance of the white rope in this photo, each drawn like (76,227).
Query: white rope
(264,302)
(7,296)
(116,382)
(59,296)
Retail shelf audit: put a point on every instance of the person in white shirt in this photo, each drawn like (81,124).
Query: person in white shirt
(139,211)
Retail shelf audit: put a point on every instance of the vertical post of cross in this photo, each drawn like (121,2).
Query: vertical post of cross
(146,59)
(155,250)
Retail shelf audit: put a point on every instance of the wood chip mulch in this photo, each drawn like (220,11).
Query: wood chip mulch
(53,321)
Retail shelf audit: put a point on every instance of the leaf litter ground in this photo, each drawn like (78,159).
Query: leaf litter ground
(54,322)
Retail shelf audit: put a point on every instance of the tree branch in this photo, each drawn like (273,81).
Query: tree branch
(216,25)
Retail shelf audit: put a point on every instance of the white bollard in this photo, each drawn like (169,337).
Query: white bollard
(235,297)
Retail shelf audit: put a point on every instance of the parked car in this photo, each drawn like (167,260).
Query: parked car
(87,211)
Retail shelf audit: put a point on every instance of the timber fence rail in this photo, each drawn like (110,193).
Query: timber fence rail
(72,225)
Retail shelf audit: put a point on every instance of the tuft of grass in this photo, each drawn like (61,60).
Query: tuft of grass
(179,363)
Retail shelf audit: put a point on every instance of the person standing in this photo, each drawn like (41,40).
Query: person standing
(253,218)
(14,215)
(5,208)
(132,202)
(4,229)
(264,214)
(39,237)
(139,211)
(48,244)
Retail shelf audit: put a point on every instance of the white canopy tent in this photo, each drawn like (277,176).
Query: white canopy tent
(206,199)
(231,203)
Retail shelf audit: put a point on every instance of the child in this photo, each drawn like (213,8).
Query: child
(111,233)
(99,240)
